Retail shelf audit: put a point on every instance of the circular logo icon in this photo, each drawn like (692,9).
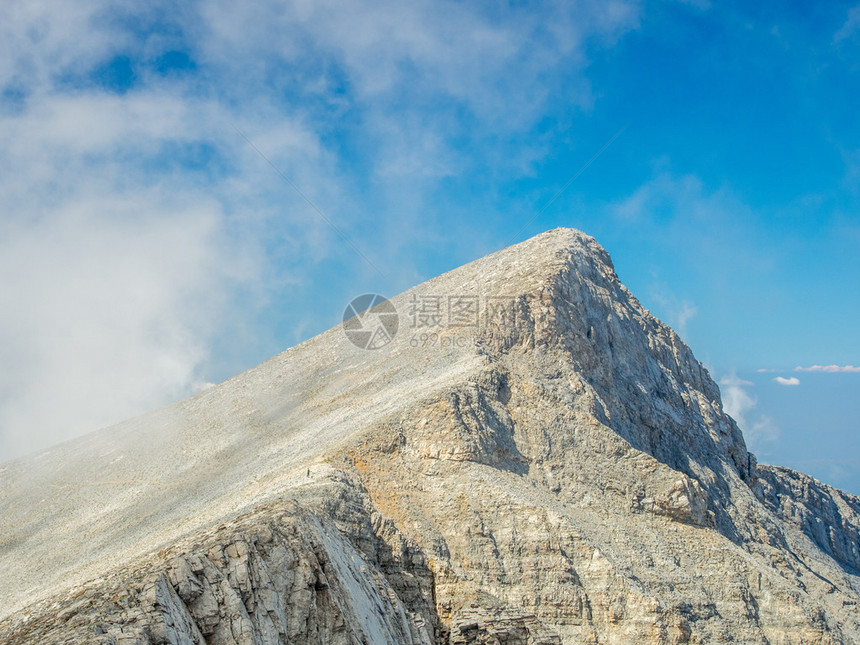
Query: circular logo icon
(370,321)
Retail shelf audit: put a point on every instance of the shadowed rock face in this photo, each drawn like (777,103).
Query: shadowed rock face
(561,471)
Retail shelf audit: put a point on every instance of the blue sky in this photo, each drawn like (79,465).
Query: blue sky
(146,248)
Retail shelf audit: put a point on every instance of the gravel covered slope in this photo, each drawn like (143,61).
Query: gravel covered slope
(561,471)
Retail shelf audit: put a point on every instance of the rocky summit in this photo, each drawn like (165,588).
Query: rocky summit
(532,458)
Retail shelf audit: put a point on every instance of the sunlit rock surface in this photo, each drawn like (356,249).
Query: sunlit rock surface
(560,471)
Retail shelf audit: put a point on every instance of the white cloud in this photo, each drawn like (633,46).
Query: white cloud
(828,368)
(760,431)
(421,48)
(787,381)
(106,313)
(137,228)
(418,75)
(121,267)
(40,40)
(736,400)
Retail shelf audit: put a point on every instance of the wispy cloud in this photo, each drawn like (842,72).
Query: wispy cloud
(687,312)
(830,369)
(676,311)
(787,381)
(760,431)
(736,400)
(682,212)
(850,26)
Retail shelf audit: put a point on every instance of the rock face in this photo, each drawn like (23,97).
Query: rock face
(557,468)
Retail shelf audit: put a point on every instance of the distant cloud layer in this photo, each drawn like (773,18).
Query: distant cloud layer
(828,368)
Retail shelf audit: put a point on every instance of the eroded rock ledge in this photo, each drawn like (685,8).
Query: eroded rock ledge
(283,574)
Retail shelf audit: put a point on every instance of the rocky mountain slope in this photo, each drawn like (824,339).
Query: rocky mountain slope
(555,469)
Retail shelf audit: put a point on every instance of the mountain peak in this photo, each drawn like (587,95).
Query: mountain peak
(519,268)
(516,451)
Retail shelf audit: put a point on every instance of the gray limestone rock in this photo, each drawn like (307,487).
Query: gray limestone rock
(558,469)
